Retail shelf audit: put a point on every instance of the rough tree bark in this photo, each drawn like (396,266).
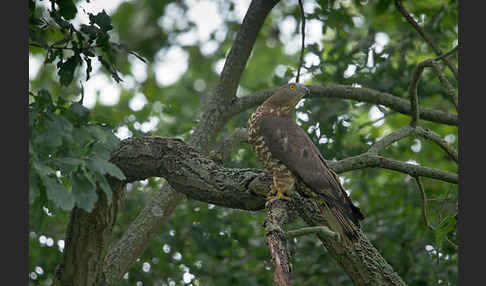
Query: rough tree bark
(200,178)
(148,223)
(87,259)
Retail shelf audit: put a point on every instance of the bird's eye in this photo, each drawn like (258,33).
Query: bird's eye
(292,86)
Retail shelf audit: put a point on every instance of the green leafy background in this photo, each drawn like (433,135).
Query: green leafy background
(70,144)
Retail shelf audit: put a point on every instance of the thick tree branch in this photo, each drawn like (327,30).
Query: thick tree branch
(211,121)
(223,150)
(141,158)
(199,178)
(362,262)
(348,92)
(188,171)
(87,240)
(141,231)
(242,46)
(213,112)
(382,98)
(277,218)
(302,47)
(191,173)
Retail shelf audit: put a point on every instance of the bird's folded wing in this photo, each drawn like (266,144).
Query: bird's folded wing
(290,144)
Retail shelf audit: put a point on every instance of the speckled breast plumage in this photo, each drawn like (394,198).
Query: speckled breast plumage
(263,154)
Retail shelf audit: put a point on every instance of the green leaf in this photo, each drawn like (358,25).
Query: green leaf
(63,41)
(61,124)
(110,69)
(57,193)
(66,69)
(105,186)
(67,9)
(105,136)
(90,30)
(37,38)
(84,192)
(104,167)
(79,111)
(68,164)
(34,184)
(41,169)
(102,20)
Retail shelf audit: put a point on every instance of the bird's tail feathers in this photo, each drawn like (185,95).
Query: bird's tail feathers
(349,229)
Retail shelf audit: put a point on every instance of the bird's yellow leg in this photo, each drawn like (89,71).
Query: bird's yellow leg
(280,189)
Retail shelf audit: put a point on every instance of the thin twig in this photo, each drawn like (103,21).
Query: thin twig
(408,131)
(314,229)
(367,160)
(412,92)
(436,138)
(448,54)
(427,38)
(443,80)
(390,139)
(451,243)
(301,60)
(371,122)
(62,48)
(424,203)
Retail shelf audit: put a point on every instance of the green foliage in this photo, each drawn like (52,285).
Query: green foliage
(68,154)
(70,145)
(83,43)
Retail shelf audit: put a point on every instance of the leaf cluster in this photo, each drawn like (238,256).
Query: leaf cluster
(68,154)
(70,46)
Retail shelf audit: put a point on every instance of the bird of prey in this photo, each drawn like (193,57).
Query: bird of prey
(290,156)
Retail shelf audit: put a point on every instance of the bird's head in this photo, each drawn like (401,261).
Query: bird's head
(284,100)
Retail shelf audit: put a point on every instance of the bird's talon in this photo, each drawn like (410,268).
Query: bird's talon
(278,196)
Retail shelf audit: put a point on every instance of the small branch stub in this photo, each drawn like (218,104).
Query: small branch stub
(314,229)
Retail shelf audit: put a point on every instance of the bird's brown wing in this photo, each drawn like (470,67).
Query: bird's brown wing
(290,144)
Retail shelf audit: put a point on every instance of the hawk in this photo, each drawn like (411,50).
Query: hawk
(290,156)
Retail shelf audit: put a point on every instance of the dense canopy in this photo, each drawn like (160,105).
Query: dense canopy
(107,77)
